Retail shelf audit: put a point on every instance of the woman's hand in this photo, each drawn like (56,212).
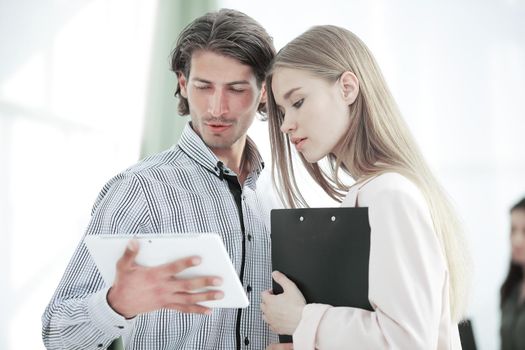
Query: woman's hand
(283,312)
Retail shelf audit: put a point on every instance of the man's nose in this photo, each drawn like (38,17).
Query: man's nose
(218,105)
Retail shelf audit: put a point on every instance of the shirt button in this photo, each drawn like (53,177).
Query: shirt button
(246,341)
(248,288)
(120,327)
(100,345)
(249,237)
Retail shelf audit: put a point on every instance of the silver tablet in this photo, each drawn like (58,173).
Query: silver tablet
(161,249)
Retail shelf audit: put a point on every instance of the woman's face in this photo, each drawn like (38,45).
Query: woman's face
(316,112)
(517,236)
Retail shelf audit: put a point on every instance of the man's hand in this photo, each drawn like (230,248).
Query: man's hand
(139,289)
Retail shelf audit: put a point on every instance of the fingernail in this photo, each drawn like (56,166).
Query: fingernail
(216,282)
(274,274)
(219,295)
(196,260)
(133,245)
(208,312)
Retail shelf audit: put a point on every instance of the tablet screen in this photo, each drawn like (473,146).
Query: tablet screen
(156,250)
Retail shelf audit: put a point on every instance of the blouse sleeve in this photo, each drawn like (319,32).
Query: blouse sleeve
(407,275)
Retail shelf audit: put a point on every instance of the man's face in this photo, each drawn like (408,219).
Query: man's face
(223,98)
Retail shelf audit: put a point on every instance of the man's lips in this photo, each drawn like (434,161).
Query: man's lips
(218,127)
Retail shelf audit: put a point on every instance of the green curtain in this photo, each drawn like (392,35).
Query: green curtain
(162,124)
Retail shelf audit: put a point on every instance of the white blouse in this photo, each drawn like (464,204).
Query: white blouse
(408,280)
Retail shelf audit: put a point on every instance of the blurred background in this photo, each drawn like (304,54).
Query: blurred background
(86,91)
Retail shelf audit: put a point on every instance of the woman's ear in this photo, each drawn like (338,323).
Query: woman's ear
(349,86)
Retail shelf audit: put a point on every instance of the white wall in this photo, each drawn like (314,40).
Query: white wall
(457,70)
(72,89)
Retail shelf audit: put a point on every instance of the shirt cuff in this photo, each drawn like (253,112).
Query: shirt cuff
(105,318)
(304,337)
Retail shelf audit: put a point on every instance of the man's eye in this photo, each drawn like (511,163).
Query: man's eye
(298,103)
(237,90)
(202,87)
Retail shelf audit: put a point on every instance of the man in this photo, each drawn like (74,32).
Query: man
(205,183)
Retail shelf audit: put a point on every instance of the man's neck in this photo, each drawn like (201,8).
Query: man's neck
(233,158)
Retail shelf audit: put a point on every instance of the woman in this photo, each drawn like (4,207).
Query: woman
(328,98)
(513,289)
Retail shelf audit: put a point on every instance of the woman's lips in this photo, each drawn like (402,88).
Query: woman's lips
(299,143)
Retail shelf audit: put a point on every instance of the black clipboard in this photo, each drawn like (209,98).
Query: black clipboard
(326,252)
(466,335)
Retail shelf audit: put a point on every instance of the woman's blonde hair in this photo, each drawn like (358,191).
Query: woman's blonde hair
(377,141)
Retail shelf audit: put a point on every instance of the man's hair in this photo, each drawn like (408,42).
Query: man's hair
(226,32)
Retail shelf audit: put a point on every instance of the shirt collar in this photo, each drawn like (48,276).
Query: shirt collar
(192,144)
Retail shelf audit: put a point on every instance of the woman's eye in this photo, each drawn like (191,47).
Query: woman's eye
(298,103)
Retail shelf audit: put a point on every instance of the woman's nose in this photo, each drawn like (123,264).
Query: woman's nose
(288,126)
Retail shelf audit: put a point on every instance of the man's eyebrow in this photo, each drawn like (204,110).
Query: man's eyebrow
(236,82)
(200,80)
(239,82)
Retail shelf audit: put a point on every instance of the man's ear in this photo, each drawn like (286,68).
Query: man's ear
(264,97)
(182,84)
(349,85)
